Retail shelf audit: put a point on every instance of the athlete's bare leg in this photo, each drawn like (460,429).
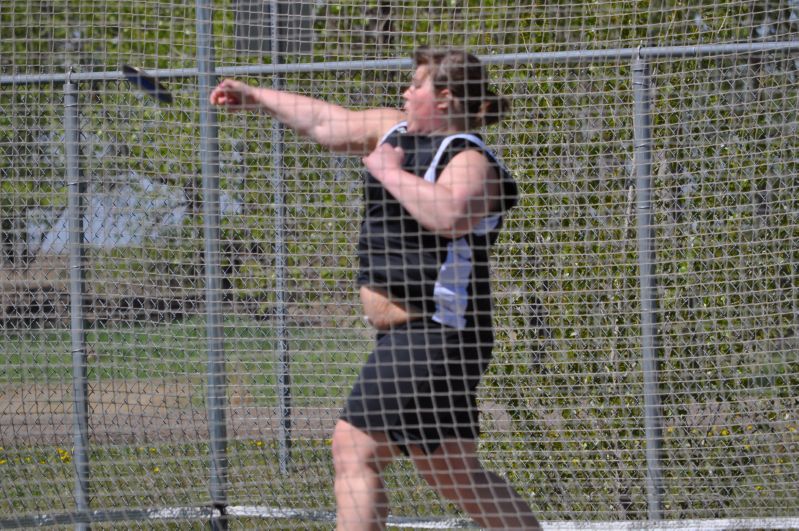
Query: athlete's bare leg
(359,458)
(455,471)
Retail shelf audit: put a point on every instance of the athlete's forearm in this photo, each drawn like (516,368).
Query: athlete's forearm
(433,205)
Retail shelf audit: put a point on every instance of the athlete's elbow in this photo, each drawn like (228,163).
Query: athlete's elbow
(335,142)
(458,216)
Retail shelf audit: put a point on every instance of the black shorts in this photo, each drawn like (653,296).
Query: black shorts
(419,386)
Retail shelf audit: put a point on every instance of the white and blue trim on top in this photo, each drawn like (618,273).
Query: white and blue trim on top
(451,291)
(401,126)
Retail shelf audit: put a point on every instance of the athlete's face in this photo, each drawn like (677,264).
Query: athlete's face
(424,105)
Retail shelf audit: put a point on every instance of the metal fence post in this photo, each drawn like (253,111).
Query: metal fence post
(77,293)
(653,416)
(279,190)
(209,156)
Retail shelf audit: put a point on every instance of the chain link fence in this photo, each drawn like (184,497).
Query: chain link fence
(178,314)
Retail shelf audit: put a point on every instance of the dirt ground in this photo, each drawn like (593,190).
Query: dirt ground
(139,411)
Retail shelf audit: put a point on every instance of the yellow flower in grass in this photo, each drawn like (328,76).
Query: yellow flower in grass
(64,455)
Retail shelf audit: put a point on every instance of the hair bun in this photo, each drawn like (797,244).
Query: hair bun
(492,109)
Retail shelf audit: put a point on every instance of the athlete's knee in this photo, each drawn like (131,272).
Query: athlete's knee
(354,450)
(346,453)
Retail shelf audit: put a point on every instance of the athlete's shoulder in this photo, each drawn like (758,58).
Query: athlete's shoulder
(470,149)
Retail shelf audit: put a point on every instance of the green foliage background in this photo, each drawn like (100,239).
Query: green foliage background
(568,360)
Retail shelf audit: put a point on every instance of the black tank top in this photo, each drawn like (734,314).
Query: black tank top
(448,280)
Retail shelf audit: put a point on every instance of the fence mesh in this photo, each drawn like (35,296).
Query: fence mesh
(563,401)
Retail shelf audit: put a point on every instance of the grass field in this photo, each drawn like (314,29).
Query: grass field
(565,464)
(323,361)
(151,473)
(141,476)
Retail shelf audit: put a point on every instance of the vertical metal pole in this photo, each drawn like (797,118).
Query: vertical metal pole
(279,190)
(653,415)
(209,157)
(77,292)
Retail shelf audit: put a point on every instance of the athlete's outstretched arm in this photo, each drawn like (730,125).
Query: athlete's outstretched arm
(335,127)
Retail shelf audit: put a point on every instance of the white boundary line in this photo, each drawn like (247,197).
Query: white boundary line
(718,524)
(276,513)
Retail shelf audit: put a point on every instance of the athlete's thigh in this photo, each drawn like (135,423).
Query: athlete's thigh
(453,462)
(351,443)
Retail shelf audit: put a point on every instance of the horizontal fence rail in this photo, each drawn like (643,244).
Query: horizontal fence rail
(564,57)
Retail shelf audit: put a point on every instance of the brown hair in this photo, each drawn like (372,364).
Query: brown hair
(466,78)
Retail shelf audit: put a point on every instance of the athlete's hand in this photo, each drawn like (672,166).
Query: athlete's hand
(383,160)
(234,95)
